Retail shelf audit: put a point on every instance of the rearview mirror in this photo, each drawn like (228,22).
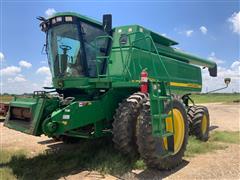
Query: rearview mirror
(107,23)
(227,81)
(213,71)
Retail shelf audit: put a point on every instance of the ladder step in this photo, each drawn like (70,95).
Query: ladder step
(167,134)
(161,97)
(102,57)
(165,97)
(162,116)
(102,75)
(166,154)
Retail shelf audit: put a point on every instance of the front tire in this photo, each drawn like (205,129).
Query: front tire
(151,148)
(124,124)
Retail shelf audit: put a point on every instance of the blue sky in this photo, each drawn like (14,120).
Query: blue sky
(207,29)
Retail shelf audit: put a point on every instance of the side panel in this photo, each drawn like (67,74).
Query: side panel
(78,114)
(183,76)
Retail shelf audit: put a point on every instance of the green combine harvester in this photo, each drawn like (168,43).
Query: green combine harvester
(126,82)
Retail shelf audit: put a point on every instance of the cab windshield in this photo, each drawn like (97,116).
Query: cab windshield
(71,50)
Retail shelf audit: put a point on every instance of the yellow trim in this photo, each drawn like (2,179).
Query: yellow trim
(136,81)
(177,84)
(191,85)
(179,130)
(204,124)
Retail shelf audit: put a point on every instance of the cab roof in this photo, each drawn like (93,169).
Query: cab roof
(84,18)
(156,37)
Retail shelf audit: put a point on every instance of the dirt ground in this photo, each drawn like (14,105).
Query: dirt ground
(224,116)
(222,164)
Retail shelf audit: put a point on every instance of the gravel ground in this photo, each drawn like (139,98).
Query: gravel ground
(222,164)
(224,116)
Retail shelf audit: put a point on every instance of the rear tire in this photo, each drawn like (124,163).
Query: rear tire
(124,124)
(199,122)
(151,148)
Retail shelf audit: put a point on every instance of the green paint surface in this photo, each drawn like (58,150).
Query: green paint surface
(96,98)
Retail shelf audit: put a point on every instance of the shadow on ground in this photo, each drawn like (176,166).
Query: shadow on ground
(62,160)
(156,174)
(213,127)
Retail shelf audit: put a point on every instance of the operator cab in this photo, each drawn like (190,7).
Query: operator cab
(71,45)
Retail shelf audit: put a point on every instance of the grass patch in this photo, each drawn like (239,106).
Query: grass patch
(217,97)
(6,173)
(195,147)
(139,164)
(226,136)
(198,147)
(5,98)
(6,155)
(98,155)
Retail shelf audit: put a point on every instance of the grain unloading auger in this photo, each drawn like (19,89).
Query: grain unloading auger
(126,81)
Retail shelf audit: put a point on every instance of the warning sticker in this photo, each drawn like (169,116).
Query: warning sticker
(66,116)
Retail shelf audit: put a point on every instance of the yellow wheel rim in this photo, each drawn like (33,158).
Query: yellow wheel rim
(204,124)
(179,127)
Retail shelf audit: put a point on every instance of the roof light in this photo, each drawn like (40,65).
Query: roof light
(130,30)
(59,19)
(68,19)
(53,21)
(141,29)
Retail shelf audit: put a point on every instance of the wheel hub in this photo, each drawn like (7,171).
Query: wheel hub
(179,130)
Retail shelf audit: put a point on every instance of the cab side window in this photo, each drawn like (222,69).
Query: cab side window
(93,48)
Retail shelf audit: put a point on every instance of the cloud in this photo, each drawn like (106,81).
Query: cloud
(18,78)
(47,81)
(203,29)
(43,62)
(235,22)
(44,70)
(25,64)
(236,65)
(50,11)
(1,56)
(10,71)
(211,83)
(15,83)
(18,85)
(213,57)
(189,33)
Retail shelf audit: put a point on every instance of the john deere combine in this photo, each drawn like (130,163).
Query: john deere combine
(128,82)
